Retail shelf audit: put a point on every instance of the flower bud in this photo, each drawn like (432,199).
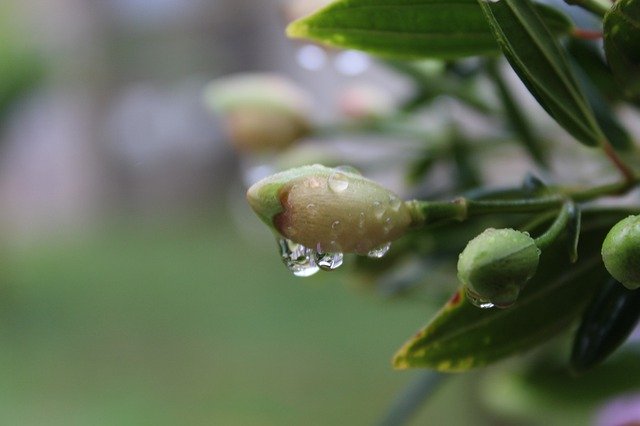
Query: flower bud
(330,210)
(496,265)
(621,252)
(261,112)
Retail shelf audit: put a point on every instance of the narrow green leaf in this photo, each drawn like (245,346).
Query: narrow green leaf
(462,336)
(610,318)
(540,63)
(521,126)
(446,29)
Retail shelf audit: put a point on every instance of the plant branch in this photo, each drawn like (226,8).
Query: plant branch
(460,209)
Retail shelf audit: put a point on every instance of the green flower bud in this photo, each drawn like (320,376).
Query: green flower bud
(260,112)
(496,265)
(330,210)
(621,252)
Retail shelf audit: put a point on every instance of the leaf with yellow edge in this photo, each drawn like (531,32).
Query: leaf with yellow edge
(462,336)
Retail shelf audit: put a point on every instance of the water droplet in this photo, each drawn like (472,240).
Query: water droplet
(336,226)
(338,182)
(361,221)
(491,1)
(395,203)
(478,301)
(387,225)
(380,251)
(299,259)
(378,209)
(348,169)
(329,261)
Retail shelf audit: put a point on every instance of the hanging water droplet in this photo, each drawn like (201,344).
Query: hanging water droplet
(338,182)
(378,209)
(299,259)
(329,261)
(477,301)
(380,251)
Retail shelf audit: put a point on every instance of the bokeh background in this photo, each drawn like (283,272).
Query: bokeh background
(136,287)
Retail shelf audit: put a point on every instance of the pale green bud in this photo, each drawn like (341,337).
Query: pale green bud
(496,265)
(260,112)
(330,210)
(621,252)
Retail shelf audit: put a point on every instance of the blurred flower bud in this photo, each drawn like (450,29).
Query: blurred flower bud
(296,9)
(330,210)
(621,252)
(261,112)
(496,265)
(363,102)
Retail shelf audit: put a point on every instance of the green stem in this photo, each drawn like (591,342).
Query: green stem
(593,6)
(557,227)
(463,208)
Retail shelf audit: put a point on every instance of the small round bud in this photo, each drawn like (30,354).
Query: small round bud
(496,265)
(330,210)
(260,112)
(621,252)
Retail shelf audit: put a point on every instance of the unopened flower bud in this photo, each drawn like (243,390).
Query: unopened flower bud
(330,210)
(261,112)
(621,252)
(496,265)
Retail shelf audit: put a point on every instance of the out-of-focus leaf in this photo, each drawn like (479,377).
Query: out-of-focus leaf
(462,336)
(606,324)
(612,128)
(467,173)
(622,44)
(517,119)
(540,63)
(418,29)
(590,59)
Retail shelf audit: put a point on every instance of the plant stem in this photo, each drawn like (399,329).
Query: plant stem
(593,6)
(460,209)
(557,227)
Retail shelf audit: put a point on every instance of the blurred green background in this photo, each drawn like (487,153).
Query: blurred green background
(136,287)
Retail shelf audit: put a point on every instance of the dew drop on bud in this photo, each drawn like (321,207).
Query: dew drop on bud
(395,203)
(300,260)
(477,301)
(329,261)
(380,251)
(378,209)
(338,182)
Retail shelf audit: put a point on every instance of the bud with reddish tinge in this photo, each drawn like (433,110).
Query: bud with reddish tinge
(621,252)
(496,265)
(330,210)
(260,112)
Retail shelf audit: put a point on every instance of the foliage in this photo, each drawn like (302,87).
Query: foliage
(561,64)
